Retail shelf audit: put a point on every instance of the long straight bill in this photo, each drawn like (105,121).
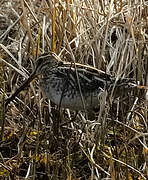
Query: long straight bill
(25,84)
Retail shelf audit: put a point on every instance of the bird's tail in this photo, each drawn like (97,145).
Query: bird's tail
(123,86)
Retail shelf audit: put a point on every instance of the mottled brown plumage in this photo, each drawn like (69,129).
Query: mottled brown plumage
(74,86)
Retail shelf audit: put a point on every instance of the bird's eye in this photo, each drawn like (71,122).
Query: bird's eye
(60,63)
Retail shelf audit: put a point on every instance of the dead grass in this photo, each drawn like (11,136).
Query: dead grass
(112,36)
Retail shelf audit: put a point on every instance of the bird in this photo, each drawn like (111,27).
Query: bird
(75,86)
(72,85)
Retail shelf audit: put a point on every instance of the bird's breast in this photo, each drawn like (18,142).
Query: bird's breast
(65,91)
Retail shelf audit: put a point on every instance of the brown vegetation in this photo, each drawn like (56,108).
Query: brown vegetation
(39,141)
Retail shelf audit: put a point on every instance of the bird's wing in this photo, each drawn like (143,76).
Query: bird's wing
(88,78)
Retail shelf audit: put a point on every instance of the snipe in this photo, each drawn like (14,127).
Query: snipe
(72,85)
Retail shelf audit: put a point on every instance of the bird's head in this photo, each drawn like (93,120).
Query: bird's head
(48,60)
